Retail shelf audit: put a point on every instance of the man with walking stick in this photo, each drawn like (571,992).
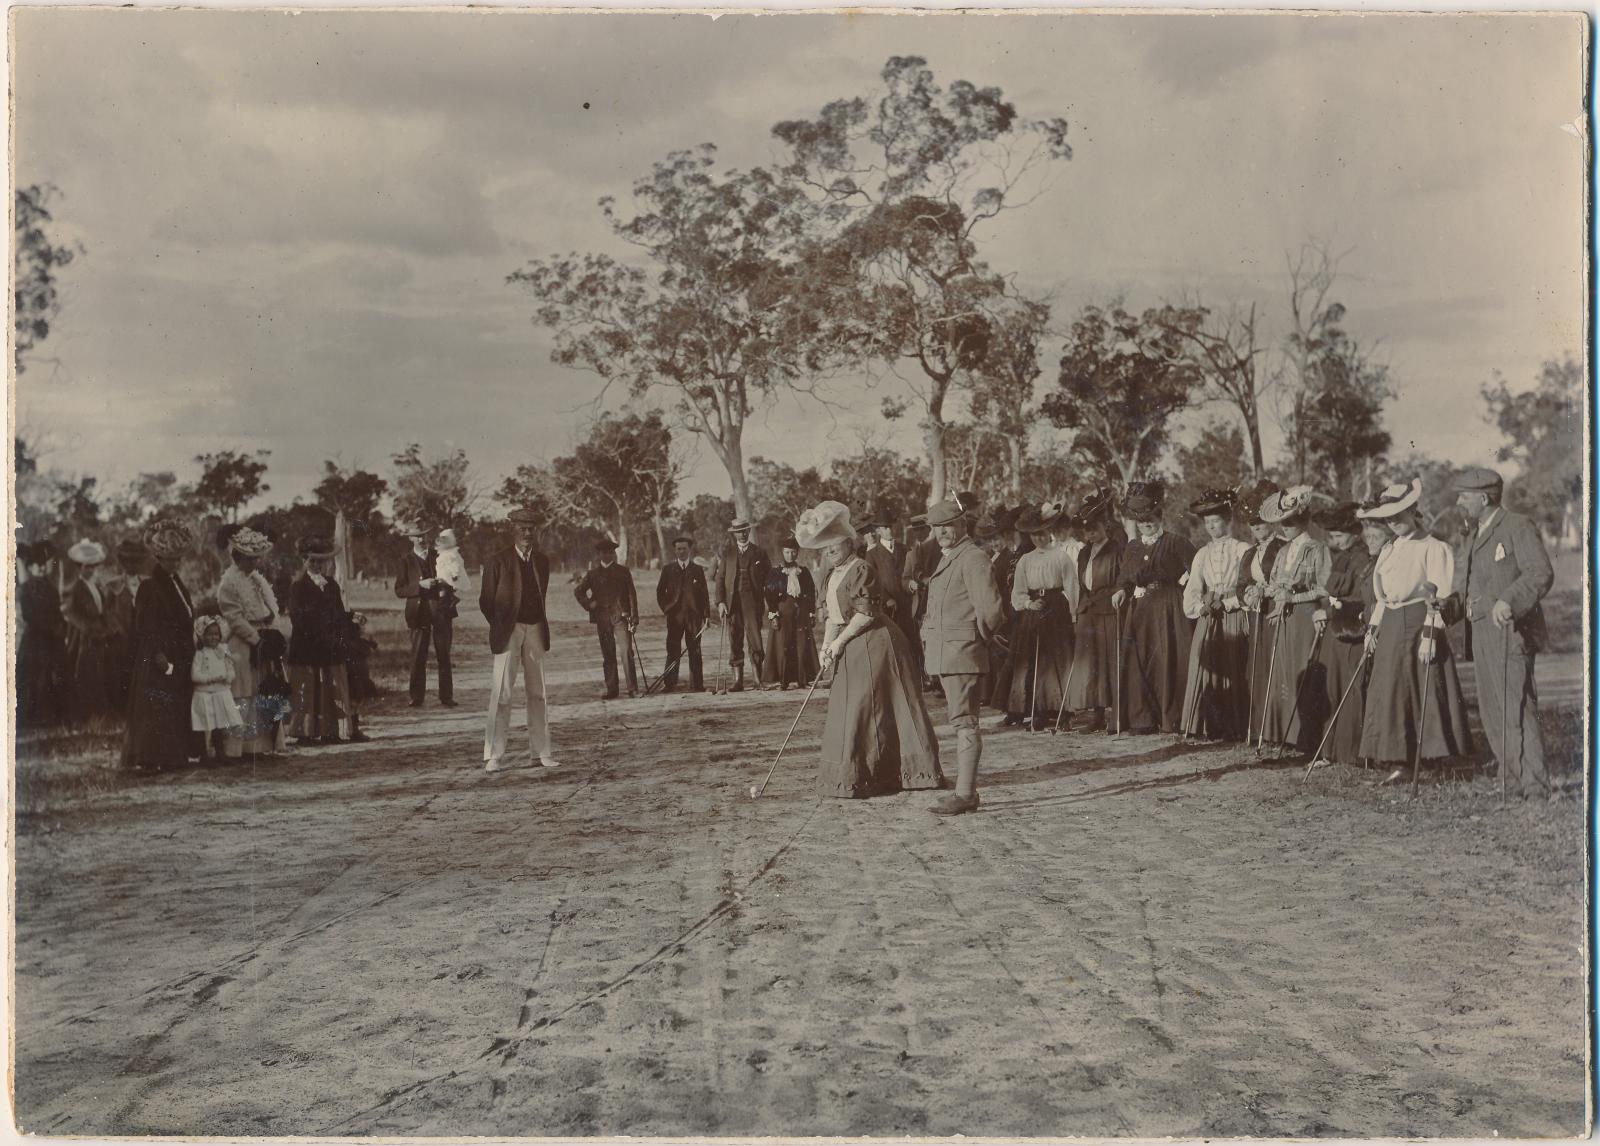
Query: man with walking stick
(606,593)
(685,601)
(1502,573)
(963,612)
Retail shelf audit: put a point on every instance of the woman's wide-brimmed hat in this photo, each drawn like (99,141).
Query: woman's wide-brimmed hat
(993,524)
(1095,504)
(1213,502)
(1251,496)
(1029,520)
(168,538)
(1340,518)
(248,543)
(1394,500)
(87,552)
(1144,500)
(204,621)
(315,548)
(1287,504)
(823,524)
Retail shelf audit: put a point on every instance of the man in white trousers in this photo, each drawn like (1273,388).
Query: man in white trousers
(512,599)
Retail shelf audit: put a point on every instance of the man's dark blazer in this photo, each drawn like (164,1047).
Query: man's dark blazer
(888,573)
(728,573)
(414,569)
(500,596)
(682,594)
(607,594)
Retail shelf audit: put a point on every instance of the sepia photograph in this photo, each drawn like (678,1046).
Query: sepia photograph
(1001,574)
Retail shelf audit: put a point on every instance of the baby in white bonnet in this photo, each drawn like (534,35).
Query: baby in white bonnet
(451,568)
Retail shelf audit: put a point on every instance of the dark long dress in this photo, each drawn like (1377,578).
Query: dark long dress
(1002,644)
(158,706)
(1260,632)
(89,653)
(877,737)
(320,688)
(1093,677)
(791,646)
(41,653)
(1342,651)
(1216,704)
(1042,637)
(1295,706)
(1155,633)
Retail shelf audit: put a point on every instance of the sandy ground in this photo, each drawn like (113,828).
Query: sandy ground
(1133,937)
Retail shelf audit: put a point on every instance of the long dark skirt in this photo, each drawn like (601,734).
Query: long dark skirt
(158,733)
(320,700)
(877,737)
(1260,638)
(1093,683)
(1044,639)
(997,685)
(1394,695)
(1342,662)
(1295,706)
(791,651)
(1155,660)
(89,679)
(1216,704)
(41,658)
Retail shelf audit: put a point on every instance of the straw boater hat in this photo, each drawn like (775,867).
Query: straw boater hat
(315,548)
(822,525)
(168,539)
(1287,504)
(1213,502)
(740,525)
(248,543)
(87,553)
(1340,518)
(1394,500)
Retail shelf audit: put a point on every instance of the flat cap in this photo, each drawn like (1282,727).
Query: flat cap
(946,512)
(1479,479)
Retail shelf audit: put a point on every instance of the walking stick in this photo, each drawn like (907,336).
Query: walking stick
(1299,692)
(1116,684)
(1427,694)
(1066,691)
(1355,677)
(1505,724)
(755,789)
(1255,650)
(1266,693)
(722,640)
(1033,683)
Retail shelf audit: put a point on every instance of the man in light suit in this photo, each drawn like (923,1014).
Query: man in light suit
(686,602)
(1502,572)
(964,611)
(512,599)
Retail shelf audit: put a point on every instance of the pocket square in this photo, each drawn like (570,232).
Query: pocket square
(1500,552)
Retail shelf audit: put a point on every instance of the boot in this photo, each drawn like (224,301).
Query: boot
(969,747)
(738,678)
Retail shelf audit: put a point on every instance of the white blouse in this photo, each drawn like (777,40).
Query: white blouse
(1405,567)
(1215,570)
(244,599)
(1043,569)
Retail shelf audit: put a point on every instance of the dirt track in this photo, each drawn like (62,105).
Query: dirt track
(1133,937)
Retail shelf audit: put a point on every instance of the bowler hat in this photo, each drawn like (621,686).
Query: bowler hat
(1479,479)
(605,545)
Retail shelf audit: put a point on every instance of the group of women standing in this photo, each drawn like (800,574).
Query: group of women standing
(1320,632)
(184,675)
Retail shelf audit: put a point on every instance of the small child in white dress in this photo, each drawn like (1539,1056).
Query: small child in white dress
(451,570)
(211,709)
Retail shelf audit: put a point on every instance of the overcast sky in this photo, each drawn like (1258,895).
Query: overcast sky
(298,227)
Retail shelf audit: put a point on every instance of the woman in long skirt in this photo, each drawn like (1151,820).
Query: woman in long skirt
(791,602)
(877,737)
(1413,693)
(1092,685)
(89,638)
(1155,630)
(1343,652)
(1295,707)
(247,602)
(159,733)
(1041,642)
(318,684)
(1217,703)
(42,645)
(1255,571)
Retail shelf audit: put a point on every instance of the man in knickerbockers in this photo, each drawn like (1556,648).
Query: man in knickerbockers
(739,582)
(1502,573)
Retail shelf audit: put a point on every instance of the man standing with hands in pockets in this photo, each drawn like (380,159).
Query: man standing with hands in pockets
(963,612)
(1502,573)
(512,599)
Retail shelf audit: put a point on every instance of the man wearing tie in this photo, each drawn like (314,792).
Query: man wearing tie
(685,601)
(1502,572)
(887,561)
(741,578)
(419,586)
(606,593)
(512,599)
